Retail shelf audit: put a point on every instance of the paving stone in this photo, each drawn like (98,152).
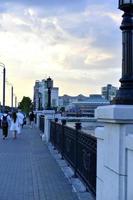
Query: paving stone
(28,171)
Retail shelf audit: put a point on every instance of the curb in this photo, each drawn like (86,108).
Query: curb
(78,187)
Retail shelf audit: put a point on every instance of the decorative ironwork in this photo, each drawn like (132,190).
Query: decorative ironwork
(86,160)
(87,154)
(68,145)
(58,136)
(79,149)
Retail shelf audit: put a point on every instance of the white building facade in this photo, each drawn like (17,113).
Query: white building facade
(109,92)
(41,95)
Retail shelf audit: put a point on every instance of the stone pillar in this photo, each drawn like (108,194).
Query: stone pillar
(112,174)
(129,166)
(49,115)
(38,113)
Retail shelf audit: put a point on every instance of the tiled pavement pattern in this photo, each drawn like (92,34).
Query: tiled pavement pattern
(29,172)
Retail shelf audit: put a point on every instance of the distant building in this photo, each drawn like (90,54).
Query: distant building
(36,95)
(66,100)
(41,95)
(109,92)
(82,105)
(54,97)
(87,108)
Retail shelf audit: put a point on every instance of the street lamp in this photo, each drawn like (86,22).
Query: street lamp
(12,97)
(15,101)
(4,80)
(49,86)
(125,92)
(11,94)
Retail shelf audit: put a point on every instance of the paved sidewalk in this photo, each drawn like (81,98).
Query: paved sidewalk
(29,172)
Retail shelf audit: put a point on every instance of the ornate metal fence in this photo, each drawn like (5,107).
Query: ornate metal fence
(70,145)
(41,123)
(79,149)
(86,162)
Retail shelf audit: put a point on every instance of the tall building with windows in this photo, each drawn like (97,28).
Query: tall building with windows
(40,98)
(109,92)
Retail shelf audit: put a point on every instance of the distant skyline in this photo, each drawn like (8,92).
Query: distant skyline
(77,43)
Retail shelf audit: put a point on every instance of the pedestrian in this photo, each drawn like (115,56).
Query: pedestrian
(24,120)
(14,125)
(31,118)
(20,119)
(5,120)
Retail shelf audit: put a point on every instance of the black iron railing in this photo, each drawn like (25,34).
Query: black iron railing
(79,149)
(41,123)
(86,166)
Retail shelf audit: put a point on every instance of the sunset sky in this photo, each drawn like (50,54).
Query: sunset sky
(75,42)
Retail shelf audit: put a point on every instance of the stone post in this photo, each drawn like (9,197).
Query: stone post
(112,157)
(129,168)
(49,115)
(38,113)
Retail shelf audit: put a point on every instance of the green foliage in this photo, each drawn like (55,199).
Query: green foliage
(26,105)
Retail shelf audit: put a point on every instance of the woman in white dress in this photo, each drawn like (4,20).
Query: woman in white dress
(14,125)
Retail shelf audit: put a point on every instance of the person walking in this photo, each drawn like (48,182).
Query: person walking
(31,118)
(14,125)
(5,121)
(24,120)
(20,119)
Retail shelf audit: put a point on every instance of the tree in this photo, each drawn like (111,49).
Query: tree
(26,105)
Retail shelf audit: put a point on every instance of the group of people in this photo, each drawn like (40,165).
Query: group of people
(13,121)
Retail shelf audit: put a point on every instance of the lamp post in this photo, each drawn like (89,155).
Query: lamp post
(11,94)
(125,92)
(49,86)
(15,101)
(4,80)
(12,98)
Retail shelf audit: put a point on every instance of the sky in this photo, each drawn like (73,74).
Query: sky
(77,43)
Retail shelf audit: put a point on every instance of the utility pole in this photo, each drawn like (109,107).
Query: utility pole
(15,102)
(12,98)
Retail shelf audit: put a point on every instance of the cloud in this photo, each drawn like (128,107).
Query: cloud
(54,5)
(92,45)
(80,47)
